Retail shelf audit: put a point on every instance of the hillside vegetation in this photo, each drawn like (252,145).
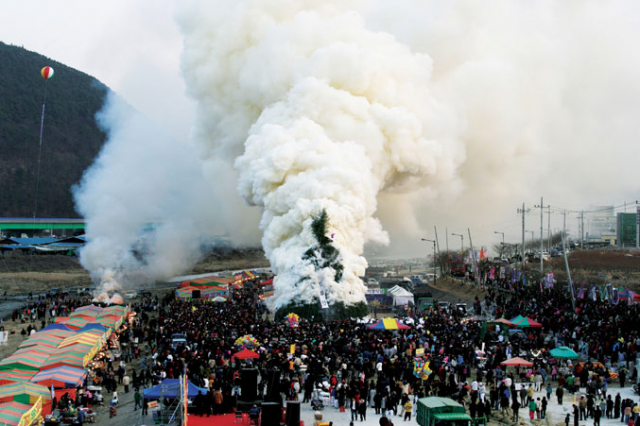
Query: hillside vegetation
(71,138)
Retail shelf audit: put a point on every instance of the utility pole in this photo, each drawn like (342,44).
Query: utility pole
(523,211)
(446,237)
(473,256)
(549,229)
(566,265)
(541,207)
(434,259)
(437,242)
(582,229)
(637,224)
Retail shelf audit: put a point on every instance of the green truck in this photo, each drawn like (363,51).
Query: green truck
(437,411)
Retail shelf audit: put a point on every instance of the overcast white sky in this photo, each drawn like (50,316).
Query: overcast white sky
(133,47)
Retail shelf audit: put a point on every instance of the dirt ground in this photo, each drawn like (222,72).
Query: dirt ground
(620,268)
(21,274)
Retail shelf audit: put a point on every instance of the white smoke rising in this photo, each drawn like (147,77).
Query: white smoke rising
(454,109)
(332,114)
(145,201)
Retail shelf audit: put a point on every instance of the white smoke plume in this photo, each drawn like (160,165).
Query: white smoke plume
(359,107)
(145,201)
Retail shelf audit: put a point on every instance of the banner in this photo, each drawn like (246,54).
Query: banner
(32,415)
(419,352)
(615,299)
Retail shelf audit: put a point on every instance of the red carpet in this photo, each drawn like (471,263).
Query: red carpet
(226,420)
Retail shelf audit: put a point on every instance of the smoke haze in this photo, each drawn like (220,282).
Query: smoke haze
(392,116)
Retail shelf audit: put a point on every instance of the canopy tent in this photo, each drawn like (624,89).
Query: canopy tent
(111,321)
(400,296)
(61,320)
(92,308)
(209,281)
(70,358)
(41,340)
(502,321)
(24,361)
(43,351)
(57,327)
(517,319)
(186,293)
(563,352)
(526,323)
(87,339)
(517,362)
(245,354)
(170,388)
(78,322)
(87,313)
(388,324)
(215,291)
(94,327)
(11,412)
(24,392)
(15,375)
(60,377)
(119,310)
(63,334)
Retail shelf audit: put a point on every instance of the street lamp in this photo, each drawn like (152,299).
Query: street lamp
(434,259)
(501,248)
(461,241)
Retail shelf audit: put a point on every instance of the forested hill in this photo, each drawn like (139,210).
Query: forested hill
(71,138)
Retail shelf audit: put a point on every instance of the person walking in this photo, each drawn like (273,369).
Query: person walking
(515,406)
(532,409)
(137,400)
(559,394)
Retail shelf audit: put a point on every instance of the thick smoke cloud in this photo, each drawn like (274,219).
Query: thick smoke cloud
(457,110)
(144,202)
(391,116)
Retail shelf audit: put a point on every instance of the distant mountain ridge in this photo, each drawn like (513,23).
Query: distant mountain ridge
(71,139)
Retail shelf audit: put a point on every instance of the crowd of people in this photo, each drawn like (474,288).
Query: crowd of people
(359,368)
(346,366)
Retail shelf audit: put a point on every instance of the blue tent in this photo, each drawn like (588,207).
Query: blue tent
(57,326)
(170,388)
(93,326)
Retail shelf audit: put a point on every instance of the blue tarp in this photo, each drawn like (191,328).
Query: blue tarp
(170,388)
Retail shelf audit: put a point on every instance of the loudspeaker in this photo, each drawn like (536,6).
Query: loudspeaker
(273,386)
(195,294)
(293,413)
(271,414)
(249,384)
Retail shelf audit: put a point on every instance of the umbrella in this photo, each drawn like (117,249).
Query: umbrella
(218,299)
(245,354)
(388,324)
(517,362)
(11,412)
(527,322)
(563,352)
(60,377)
